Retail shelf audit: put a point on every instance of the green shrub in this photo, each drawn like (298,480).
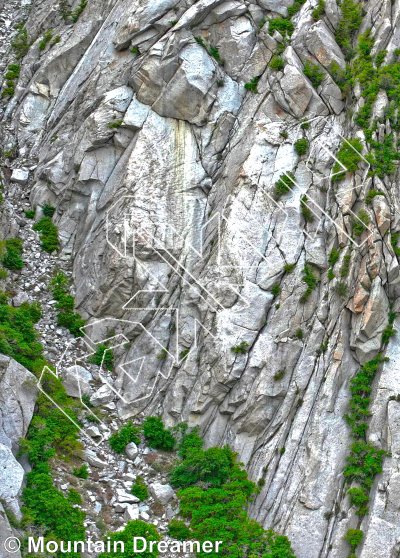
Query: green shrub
(76,13)
(319,10)
(349,156)
(12,257)
(295,7)
(30,213)
(241,348)
(47,36)
(283,25)
(310,281)
(301,146)
(18,338)
(20,43)
(128,433)
(8,92)
(276,64)
(359,498)
(314,74)
(284,185)
(344,270)
(66,317)
(133,529)
(64,9)
(276,290)
(348,26)
(288,268)
(252,86)
(48,210)
(380,57)
(178,530)
(279,375)
(156,436)
(353,537)
(48,234)
(211,466)
(393,242)
(215,54)
(387,333)
(190,442)
(299,334)
(103,357)
(333,256)
(74,497)
(115,124)
(306,211)
(46,507)
(139,489)
(360,225)
(81,472)
(371,194)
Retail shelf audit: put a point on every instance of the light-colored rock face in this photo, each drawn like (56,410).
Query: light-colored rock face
(161,493)
(137,126)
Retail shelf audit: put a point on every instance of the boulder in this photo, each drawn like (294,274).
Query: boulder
(161,493)
(296,89)
(124,496)
(11,477)
(5,533)
(321,43)
(135,115)
(131,512)
(102,395)
(131,450)
(276,5)
(20,298)
(18,393)
(76,381)
(382,213)
(92,459)
(20,176)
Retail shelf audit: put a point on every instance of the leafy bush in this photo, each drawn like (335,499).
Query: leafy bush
(279,375)
(360,225)
(103,357)
(252,86)
(371,194)
(76,13)
(288,268)
(301,146)
(344,270)
(354,537)
(48,210)
(314,74)
(66,317)
(348,26)
(241,348)
(47,36)
(333,256)
(211,466)
(20,43)
(48,234)
(284,185)
(349,156)
(48,509)
(128,433)
(190,442)
(156,436)
(18,338)
(139,489)
(12,257)
(295,7)
(282,25)
(310,281)
(74,497)
(276,64)
(133,529)
(178,530)
(319,10)
(64,9)
(81,472)
(30,213)
(275,289)
(331,275)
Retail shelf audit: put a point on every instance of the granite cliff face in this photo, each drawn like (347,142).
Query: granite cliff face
(137,126)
